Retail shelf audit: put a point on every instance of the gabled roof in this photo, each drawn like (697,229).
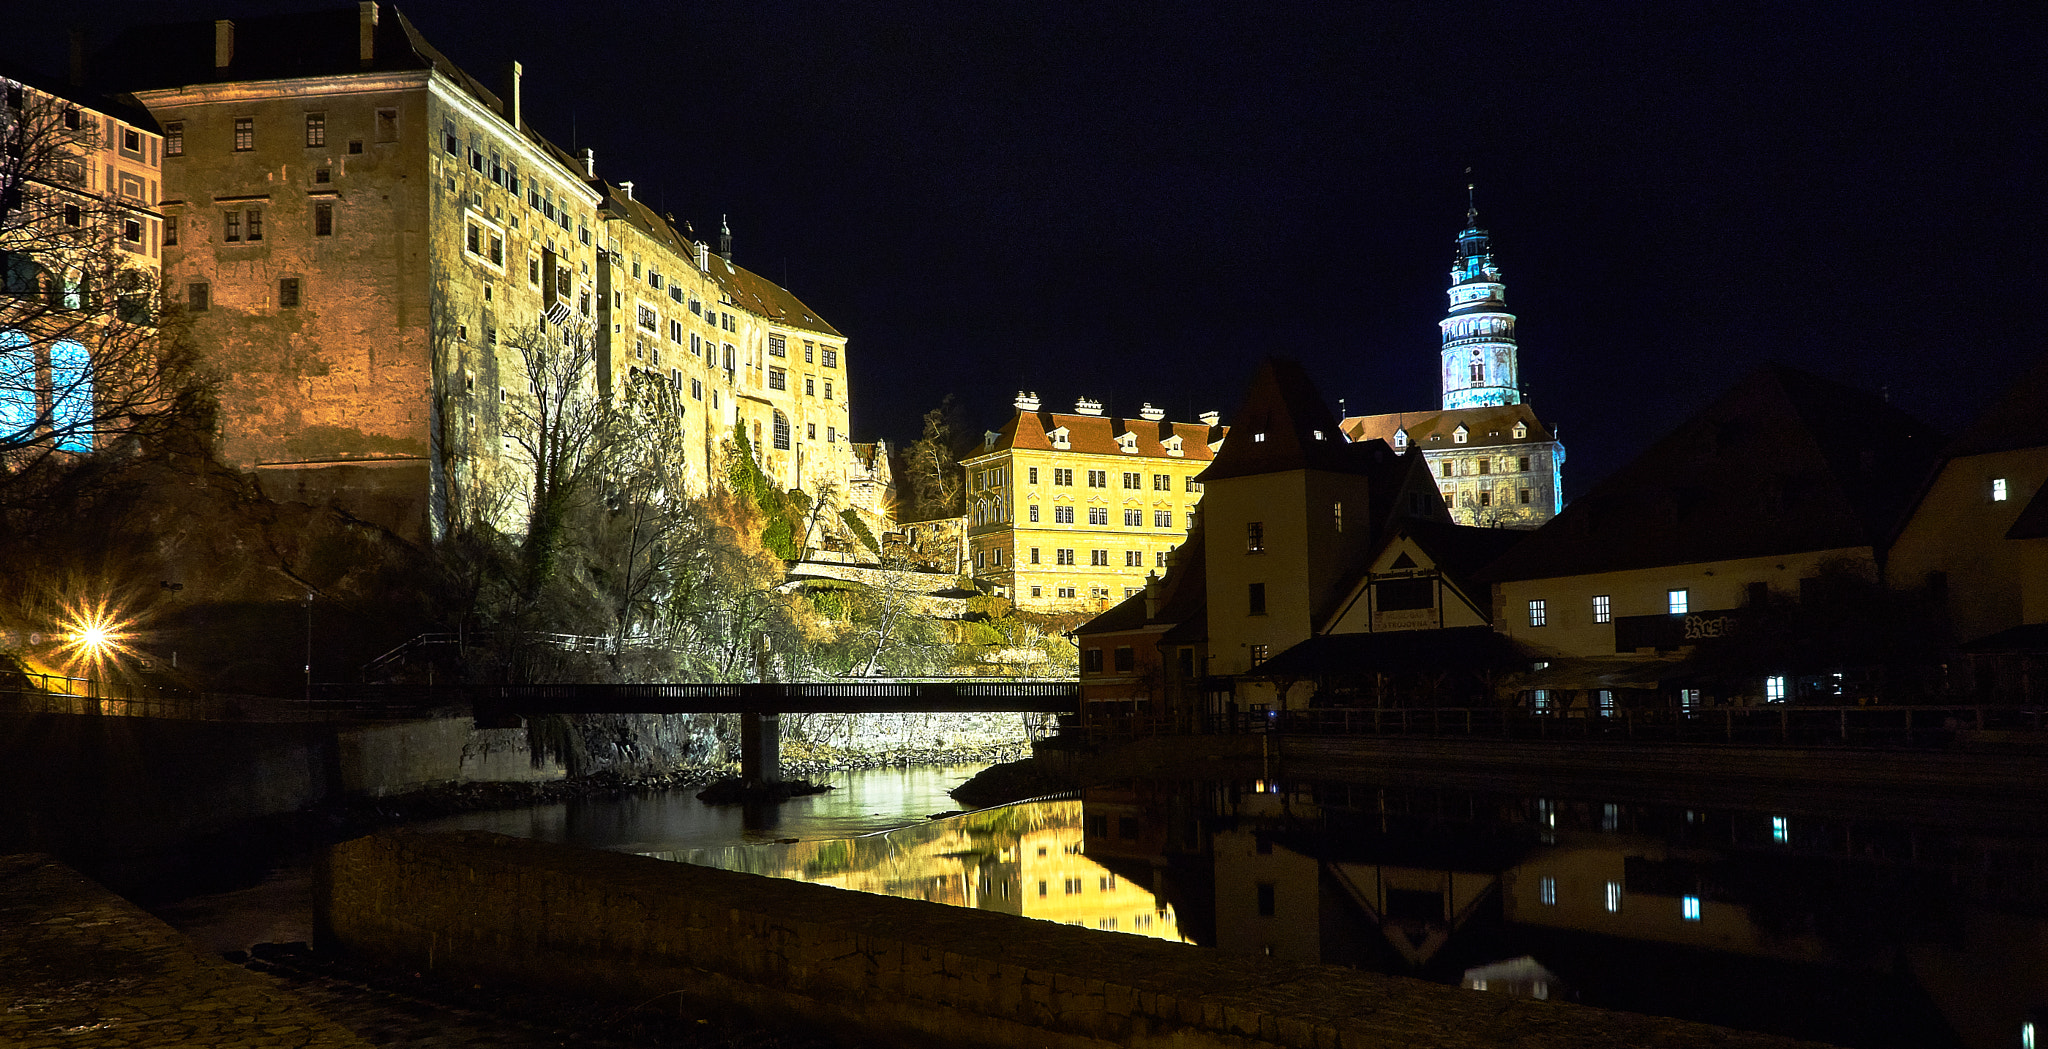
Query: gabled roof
(2016,420)
(1784,462)
(1182,594)
(746,289)
(1097,434)
(1284,425)
(1489,426)
(273,47)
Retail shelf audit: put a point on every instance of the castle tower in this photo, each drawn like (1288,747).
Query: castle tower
(1479,332)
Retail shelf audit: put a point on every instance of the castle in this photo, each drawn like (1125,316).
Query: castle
(1495,462)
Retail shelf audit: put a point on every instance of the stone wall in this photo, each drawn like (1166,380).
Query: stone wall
(633,930)
(883,733)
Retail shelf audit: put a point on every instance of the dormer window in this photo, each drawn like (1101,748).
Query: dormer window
(1319,435)
(1059,438)
(1127,443)
(1172,445)
(1258,438)
(989,439)
(1400,438)
(1459,435)
(1521,431)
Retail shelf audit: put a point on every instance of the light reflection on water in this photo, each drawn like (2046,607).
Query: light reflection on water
(1025,859)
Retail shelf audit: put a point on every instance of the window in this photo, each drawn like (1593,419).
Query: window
(1479,373)
(778,346)
(1255,537)
(231,227)
(1064,556)
(777,379)
(323,220)
(1537,614)
(1194,485)
(781,431)
(1098,478)
(1162,519)
(1458,436)
(1486,466)
(174,139)
(1447,469)
(1781,832)
(171,231)
(1539,700)
(1091,661)
(1522,464)
(1676,601)
(1486,497)
(810,386)
(829,357)
(1998,489)
(1337,516)
(1255,599)
(1774,689)
(197,298)
(1525,497)
(1162,482)
(1546,890)
(287,292)
(387,130)
(1098,558)
(255,224)
(696,389)
(1614,897)
(646,317)
(1133,481)
(131,231)
(1063,476)
(1191,520)
(1031,474)
(1134,559)
(245,134)
(323,175)
(1034,560)
(981,559)
(1689,908)
(1134,518)
(1098,515)
(1160,559)
(1062,515)
(316,129)
(1603,611)
(1259,654)
(1032,513)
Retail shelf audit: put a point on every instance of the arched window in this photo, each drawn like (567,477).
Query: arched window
(781,431)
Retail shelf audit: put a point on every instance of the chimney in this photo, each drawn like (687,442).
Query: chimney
(1212,419)
(628,187)
(590,163)
(223,45)
(1088,406)
(724,239)
(1151,596)
(704,255)
(77,57)
(1151,414)
(518,113)
(1026,402)
(366,32)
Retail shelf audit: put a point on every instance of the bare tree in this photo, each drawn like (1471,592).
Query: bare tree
(82,360)
(937,482)
(564,434)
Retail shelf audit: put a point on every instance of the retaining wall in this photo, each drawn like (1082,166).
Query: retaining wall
(634,930)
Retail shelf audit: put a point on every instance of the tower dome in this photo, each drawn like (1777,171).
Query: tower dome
(1479,333)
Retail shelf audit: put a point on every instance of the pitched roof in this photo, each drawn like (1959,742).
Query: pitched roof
(1494,425)
(2015,420)
(1783,462)
(1182,594)
(1285,425)
(1097,434)
(1460,551)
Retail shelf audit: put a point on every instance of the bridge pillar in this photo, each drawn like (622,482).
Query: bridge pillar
(760,748)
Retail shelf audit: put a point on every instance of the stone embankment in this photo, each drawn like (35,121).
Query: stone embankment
(632,929)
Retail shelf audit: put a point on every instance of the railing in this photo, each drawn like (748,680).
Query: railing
(1780,724)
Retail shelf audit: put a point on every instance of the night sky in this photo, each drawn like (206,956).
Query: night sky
(1136,201)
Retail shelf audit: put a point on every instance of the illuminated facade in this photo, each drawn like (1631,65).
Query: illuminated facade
(80,253)
(1494,461)
(1073,512)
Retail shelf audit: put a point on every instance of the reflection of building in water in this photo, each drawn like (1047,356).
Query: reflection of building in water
(1023,859)
(1061,884)
(1523,977)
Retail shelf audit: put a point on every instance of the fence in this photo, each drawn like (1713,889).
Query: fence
(1779,724)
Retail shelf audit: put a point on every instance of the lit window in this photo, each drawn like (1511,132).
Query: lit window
(245,134)
(1774,689)
(1546,890)
(174,139)
(1063,515)
(1998,489)
(1258,654)
(1255,537)
(1537,615)
(1603,612)
(1065,556)
(1780,833)
(1677,601)
(1614,897)
(2027,1035)
(1098,558)
(1098,515)
(1689,907)
(316,129)
(1539,700)
(1134,518)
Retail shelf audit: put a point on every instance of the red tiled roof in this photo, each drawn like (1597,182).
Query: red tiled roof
(1097,434)
(1485,426)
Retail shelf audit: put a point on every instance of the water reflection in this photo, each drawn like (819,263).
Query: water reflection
(1028,859)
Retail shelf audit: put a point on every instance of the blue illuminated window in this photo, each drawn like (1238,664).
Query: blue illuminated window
(1998,489)
(1779,831)
(1678,602)
(1546,890)
(1774,689)
(1614,897)
(1689,908)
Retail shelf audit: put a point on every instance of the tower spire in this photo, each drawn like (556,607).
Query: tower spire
(1479,352)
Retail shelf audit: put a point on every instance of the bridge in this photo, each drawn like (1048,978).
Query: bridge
(762,704)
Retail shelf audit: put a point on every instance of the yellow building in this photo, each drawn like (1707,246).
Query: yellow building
(1073,512)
